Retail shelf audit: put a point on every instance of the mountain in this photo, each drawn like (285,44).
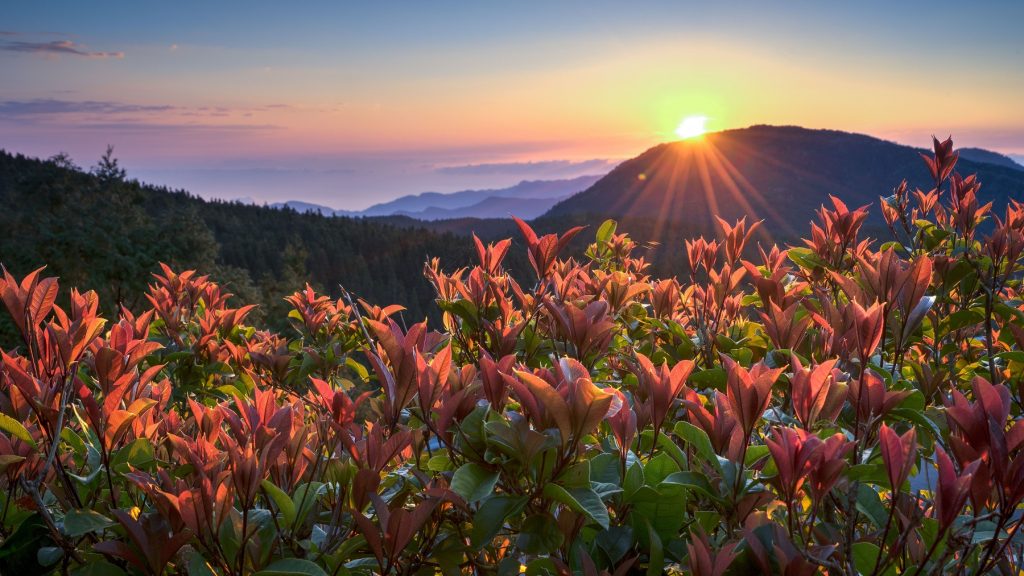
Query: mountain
(305,207)
(491,207)
(549,189)
(527,199)
(981,155)
(777,173)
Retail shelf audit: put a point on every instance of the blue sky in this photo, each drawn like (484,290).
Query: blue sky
(349,104)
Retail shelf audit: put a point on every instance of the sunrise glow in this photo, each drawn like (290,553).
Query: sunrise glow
(691,127)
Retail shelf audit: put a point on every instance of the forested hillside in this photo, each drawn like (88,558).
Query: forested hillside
(98,229)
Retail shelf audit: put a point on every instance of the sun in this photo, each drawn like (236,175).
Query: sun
(691,127)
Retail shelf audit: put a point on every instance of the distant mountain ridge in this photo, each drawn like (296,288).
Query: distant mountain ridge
(989,157)
(527,199)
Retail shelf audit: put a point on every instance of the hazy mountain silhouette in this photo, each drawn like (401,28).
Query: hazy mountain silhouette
(989,157)
(527,199)
(305,207)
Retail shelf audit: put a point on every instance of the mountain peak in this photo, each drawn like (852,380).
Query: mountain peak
(776,173)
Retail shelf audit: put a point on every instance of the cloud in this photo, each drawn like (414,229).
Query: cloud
(169,127)
(48,106)
(548,168)
(53,48)
(109,115)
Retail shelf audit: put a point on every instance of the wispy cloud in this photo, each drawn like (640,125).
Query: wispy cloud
(53,48)
(171,127)
(547,168)
(49,106)
(114,116)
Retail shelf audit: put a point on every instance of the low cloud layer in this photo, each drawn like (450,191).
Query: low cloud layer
(547,168)
(47,106)
(53,48)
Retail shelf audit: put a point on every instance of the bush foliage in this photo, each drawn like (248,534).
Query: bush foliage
(842,407)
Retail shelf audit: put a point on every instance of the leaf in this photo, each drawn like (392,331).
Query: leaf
(660,507)
(79,522)
(292,567)
(582,500)
(917,418)
(805,258)
(539,534)
(694,481)
(553,403)
(16,429)
(139,453)
(871,506)
(19,552)
(659,468)
(473,482)
(698,438)
(655,564)
(98,567)
(868,473)
(606,231)
(198,566)
(634,478)
(439,463)
(9,459)
(865,556)
(491,516)
(916,316)
(710,378)
(304,498)
(283,501)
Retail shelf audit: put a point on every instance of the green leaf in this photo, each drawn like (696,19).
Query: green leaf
(869,504)
(100,567)
(634,478)
(473,482)
(582,500)
(198,566)
(656,562)
(292,567)
(283,501)
(304,498)
(139,453)
(15,428)
(869,473)
(19,552)
(439,463)
(576,476)
(698,438)
(710,378)
(605,468)
(660,508)
(79,522)
(659,468)
(918,418)
(865,556)
(694,481)
(492,515)
(606,231)
(805,258)
(539,534)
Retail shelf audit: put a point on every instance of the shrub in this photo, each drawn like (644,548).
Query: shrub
(833,408)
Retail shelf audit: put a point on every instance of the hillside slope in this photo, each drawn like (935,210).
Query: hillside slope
(779,174)
(101,231)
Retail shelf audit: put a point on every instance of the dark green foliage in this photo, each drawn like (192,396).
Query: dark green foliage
(102,231)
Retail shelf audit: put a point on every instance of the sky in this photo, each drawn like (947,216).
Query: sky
(350,104)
